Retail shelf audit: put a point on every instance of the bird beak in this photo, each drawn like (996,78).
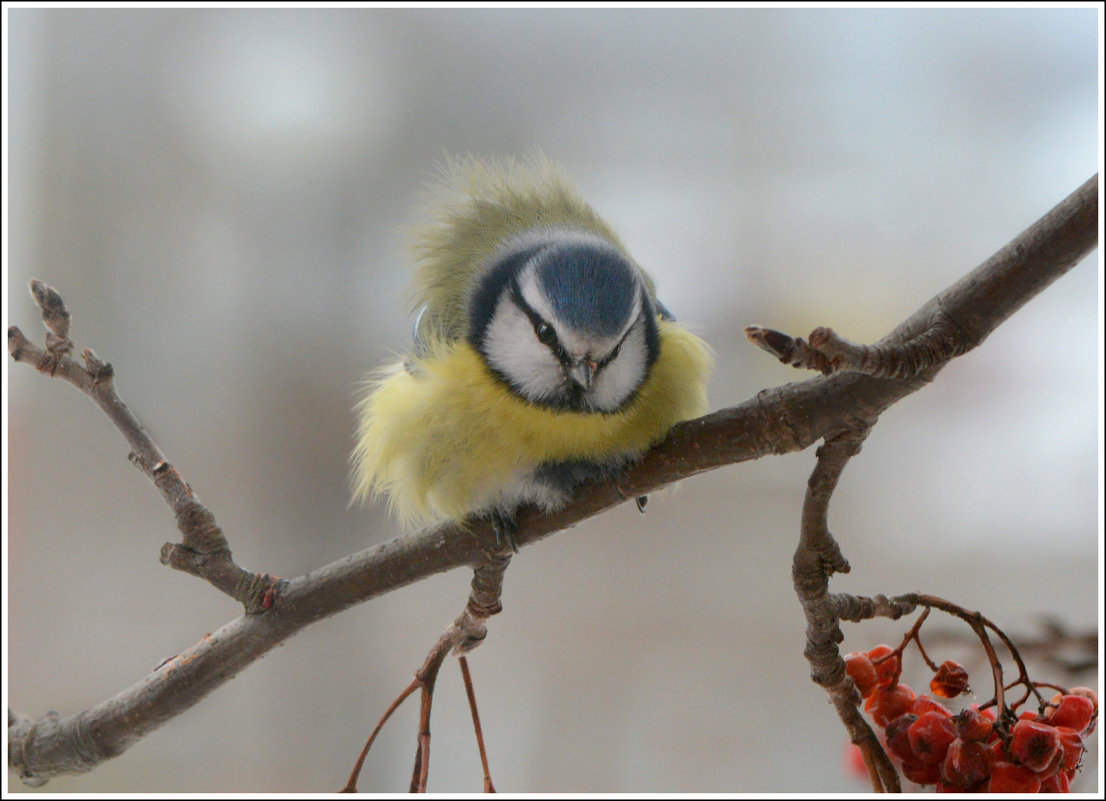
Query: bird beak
(583,373)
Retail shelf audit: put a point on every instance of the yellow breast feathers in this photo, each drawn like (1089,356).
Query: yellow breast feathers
(442,440)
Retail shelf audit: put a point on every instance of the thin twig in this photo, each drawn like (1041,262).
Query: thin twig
(466,677)
(464,634)
(979,624)
(204,551)
(351,783)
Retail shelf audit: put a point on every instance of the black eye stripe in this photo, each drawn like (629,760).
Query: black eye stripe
(549,339)
(613,353)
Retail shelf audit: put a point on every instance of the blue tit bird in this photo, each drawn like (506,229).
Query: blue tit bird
(542,359)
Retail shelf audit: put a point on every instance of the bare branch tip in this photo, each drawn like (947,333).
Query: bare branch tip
(54,313)
(759,335)
(775,342)
(44,294)
(16,342)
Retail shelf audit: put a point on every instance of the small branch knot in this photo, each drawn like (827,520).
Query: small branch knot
(833,560)
(201,533)
(101,371)
(258,592)
(827,668)
(480,611)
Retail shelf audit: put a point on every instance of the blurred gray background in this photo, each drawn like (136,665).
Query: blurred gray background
(218,196)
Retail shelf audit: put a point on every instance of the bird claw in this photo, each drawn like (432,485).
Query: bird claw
(505,526)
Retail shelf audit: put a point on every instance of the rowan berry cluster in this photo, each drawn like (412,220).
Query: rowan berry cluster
(972,750)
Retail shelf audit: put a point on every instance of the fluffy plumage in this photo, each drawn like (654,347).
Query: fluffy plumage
(540,357)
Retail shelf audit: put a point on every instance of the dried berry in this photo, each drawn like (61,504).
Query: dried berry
(950,681)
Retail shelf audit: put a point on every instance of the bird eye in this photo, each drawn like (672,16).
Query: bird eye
(546,334)
(614,353)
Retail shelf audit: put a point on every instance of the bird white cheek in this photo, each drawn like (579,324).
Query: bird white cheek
(622,376)
(511,347)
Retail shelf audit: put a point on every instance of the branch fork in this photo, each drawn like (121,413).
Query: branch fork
(463,635)
(947,327)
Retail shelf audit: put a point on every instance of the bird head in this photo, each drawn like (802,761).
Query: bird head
(565,321)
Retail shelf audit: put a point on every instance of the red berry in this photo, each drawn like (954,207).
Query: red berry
(944,787)
(1087,692)
(923,704)
(1007,777)
(950,681)
(973,726)
(1053,767)
(887,666)
(991,712)
(887,703)
(1073,712)
(1056,783)
(996,745)
(930,736)
(861,670)
(1034,744)
(1071,746)
(967,763)
(898,741)
(922,772)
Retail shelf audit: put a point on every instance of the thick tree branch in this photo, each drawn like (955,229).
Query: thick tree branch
(911,356)
(779,420)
